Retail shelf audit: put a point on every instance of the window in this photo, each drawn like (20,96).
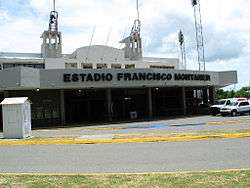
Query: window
(53,41)
(222,102)
(161,67)
(71,65)
(244,104)
(116,66)
(87,66)
(39,66)
(11,65)
(130,66)
(101,66)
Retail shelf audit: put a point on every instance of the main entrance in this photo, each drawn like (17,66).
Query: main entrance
(125,104)
(129,104)
(94,105)
(85,106)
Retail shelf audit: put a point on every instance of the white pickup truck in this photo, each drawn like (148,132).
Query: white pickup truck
(235,108)
(215,109)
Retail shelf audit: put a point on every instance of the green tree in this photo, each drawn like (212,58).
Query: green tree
(243,92)
(221,94)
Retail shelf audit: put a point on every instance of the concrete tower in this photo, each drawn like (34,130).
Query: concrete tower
(133,43)
(52,38)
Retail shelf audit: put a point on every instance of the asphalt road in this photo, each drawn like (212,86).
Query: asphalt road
(136,157)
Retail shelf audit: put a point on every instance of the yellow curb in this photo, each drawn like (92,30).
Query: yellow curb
(131,140)
(104,129)
(228,122)
(244,121)
(122,173)
(215,123)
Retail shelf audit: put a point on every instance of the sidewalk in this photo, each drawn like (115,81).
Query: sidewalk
(182,129)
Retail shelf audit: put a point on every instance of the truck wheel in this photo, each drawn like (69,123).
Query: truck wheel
(234,113)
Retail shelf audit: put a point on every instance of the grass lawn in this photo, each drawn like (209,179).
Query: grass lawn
(196,179)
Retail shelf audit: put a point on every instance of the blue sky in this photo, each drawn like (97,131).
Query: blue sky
(226,28)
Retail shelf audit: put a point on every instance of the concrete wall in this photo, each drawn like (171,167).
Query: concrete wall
(21,78)
(10,78)
(45,107)
(227,78)
(30,78)
(54,79)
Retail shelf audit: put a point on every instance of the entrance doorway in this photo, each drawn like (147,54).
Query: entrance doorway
(129,104)
(166,102)
(85,106)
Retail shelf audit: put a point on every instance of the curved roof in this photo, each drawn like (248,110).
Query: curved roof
(98,53)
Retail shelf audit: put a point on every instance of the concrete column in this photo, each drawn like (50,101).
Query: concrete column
(150,103)
(183,100)
(205,96)
(5,94)
(212,95)
(109,104)
(62,107)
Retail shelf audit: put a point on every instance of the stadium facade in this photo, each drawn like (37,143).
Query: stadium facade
(104,84)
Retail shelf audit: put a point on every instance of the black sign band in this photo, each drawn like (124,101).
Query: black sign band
(96,77)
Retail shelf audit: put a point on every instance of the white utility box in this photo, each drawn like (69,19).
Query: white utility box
(16,118)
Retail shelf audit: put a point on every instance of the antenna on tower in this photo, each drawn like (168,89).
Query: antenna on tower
(53,21)
(52,38)
(199,34)
(136,29)
(54,5)
(137,7)
(133,43)
(183,49)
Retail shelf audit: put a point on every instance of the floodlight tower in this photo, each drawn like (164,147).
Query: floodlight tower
(199,35)
(133,43)
(183,49)
(52,38)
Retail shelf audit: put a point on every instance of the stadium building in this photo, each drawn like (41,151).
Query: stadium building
(104,84)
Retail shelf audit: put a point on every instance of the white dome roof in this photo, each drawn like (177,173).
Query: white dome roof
(98,53)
